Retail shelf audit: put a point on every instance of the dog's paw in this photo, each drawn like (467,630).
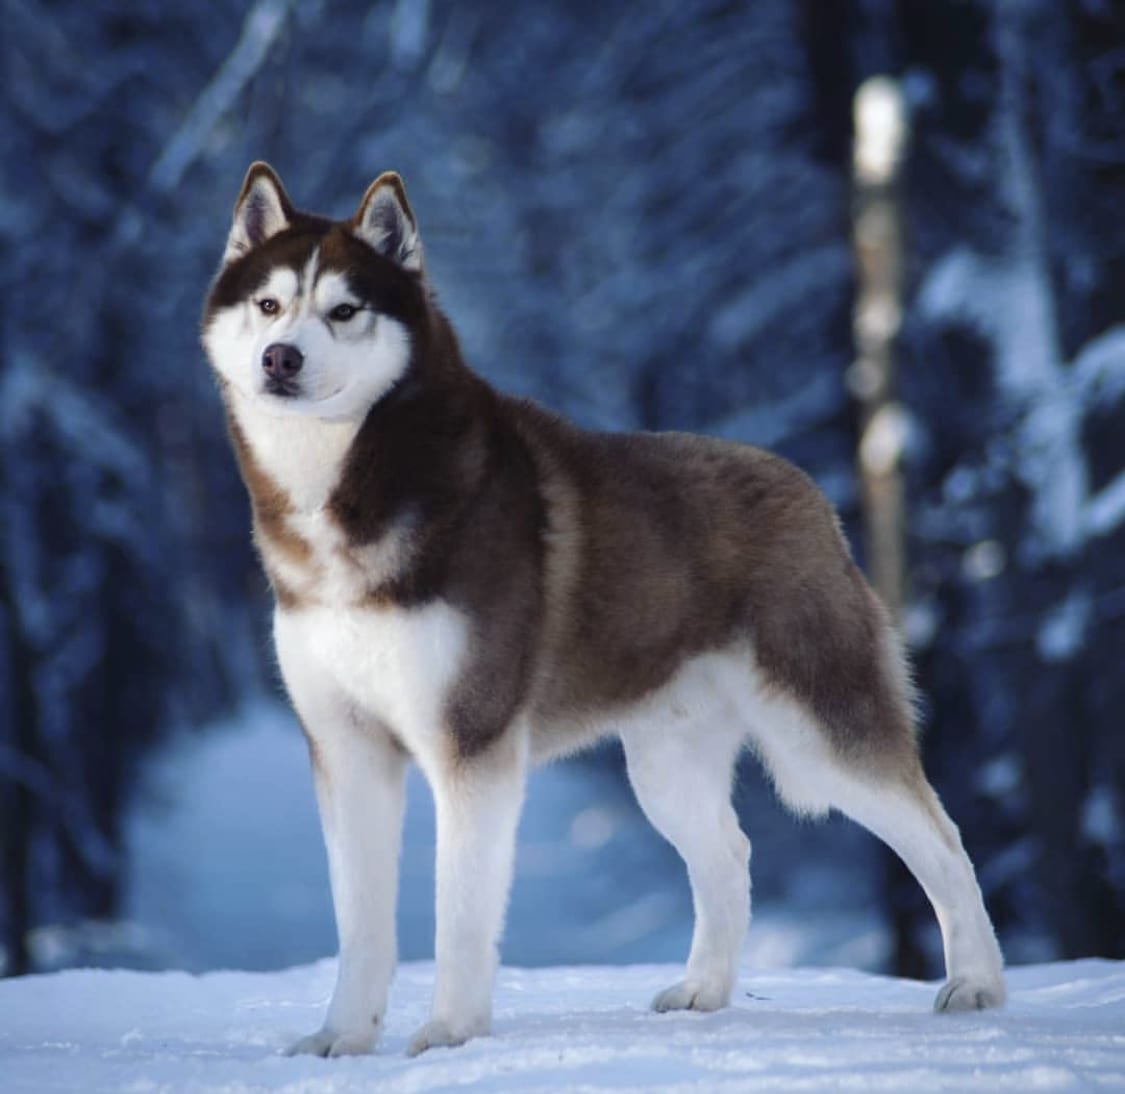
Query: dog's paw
(438,1034)
(969,993)
(691,995)
(327,1042)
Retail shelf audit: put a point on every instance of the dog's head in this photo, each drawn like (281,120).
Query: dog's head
(311,316)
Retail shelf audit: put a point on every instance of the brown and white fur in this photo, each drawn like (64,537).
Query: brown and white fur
(466,581)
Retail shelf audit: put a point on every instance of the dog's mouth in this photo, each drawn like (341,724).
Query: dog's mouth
(283,389)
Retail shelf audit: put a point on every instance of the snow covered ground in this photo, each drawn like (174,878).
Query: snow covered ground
(572,1029)
(228,872)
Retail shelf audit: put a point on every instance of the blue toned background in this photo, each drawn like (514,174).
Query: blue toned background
(640,215)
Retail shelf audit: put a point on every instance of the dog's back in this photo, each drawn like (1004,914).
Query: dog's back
(663,547)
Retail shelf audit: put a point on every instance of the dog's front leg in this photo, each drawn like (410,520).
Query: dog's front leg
(359,772)
(477,805)
(360,792)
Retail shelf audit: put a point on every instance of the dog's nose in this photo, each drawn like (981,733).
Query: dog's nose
(282,361)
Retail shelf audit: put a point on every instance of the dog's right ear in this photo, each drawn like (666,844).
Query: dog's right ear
(263,209)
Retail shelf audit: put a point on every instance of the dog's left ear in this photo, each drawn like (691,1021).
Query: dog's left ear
(385,221)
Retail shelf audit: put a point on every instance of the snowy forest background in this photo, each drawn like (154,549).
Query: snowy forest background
(639,214)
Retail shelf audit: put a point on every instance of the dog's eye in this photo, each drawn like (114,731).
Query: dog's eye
(268,306)
(341,313)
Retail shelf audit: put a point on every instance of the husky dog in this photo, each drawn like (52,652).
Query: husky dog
(464,580)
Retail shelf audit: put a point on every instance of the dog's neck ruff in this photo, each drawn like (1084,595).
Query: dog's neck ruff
(302,456)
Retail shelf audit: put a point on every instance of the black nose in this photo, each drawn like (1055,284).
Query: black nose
(282,361)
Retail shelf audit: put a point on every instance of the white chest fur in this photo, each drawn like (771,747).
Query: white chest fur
(303,458)
(396,665)
(301,454)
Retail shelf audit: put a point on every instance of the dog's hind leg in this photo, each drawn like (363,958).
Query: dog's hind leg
(886,791)
(907,815)
(682,780)
(832,719)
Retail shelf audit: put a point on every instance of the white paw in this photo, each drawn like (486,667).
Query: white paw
(969,993)
(438,1034)
(691,995)
(327,1042)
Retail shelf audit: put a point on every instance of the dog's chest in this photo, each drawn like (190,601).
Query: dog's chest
(292,468)
(337,637)
(309,556)
(396,665)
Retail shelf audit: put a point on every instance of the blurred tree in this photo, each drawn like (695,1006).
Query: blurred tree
(105,636)
(1014,355)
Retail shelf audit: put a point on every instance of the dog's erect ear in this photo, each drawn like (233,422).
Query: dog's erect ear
(384,220)
(263,209)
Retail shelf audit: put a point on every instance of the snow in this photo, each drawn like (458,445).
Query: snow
(1003,299)
(593,879)
(574,1029)
(1062,634)
(594,883)
(1106,509)
(880,126)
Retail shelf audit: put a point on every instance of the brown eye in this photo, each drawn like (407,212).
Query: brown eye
(268,306)
(341,313)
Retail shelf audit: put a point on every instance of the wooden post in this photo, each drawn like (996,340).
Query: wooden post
(880,138)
